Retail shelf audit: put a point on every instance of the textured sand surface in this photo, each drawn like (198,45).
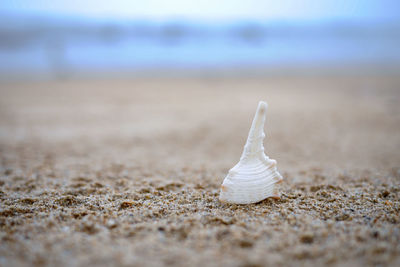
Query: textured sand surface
(127,172)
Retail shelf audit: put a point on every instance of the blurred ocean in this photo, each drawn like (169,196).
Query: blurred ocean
(43,46)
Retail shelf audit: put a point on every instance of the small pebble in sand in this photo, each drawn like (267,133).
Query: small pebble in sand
(307,238)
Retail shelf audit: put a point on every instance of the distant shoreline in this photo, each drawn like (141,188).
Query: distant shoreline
(228,72)
(62,48)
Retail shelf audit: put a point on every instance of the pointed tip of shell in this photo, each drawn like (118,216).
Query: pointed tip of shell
(263,104)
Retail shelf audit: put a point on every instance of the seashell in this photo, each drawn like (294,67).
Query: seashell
(255,176)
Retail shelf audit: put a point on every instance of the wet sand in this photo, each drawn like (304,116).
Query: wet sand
(127,172)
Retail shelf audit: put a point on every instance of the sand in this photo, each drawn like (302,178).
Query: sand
(126,172)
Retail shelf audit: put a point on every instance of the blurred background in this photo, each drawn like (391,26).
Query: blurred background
(120,119)
(61,39)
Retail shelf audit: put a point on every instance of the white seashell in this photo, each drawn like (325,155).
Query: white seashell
(254,178)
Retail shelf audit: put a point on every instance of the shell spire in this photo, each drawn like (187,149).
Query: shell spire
(255,176)
(254,144)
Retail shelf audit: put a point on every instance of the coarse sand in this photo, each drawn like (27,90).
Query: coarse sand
(126,172)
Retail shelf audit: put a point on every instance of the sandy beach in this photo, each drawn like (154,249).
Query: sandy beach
(126,172)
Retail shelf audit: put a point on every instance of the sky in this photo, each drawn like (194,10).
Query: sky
(216,9)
